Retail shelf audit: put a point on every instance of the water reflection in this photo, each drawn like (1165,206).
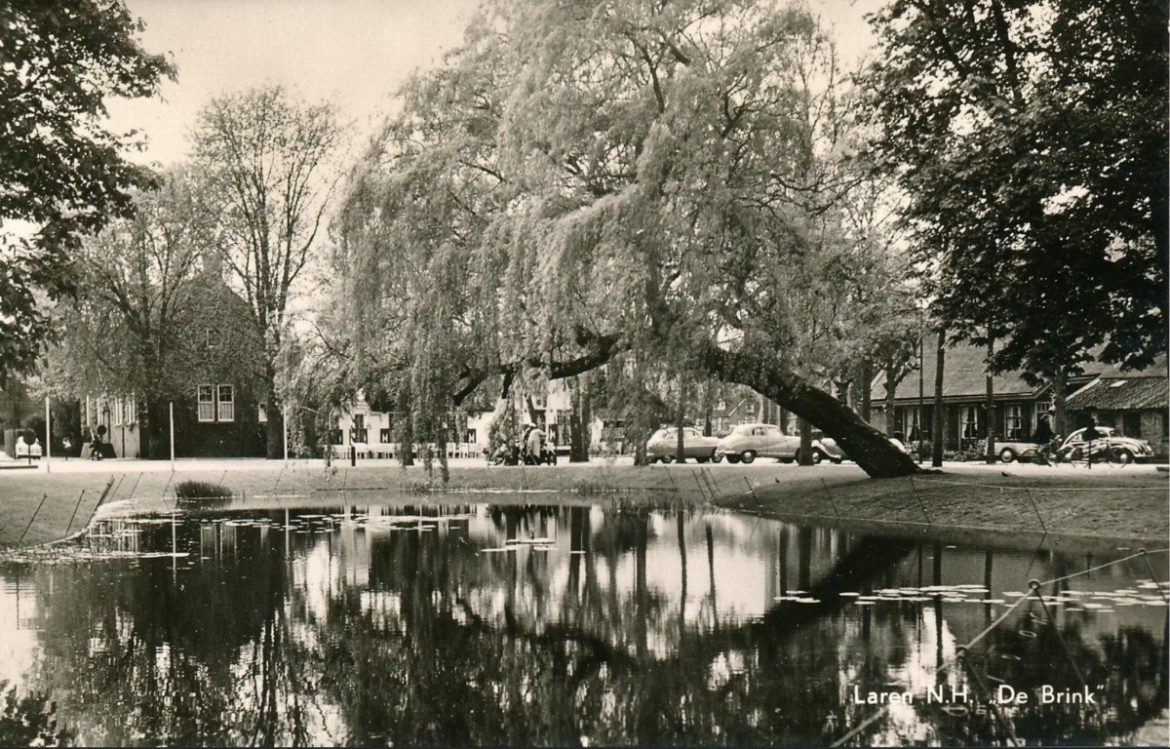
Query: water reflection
(481,624)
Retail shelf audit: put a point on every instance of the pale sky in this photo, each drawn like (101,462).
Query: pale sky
(353,52)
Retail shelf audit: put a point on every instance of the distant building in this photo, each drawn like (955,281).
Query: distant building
(1134,402)
(1018,404)
(220,415)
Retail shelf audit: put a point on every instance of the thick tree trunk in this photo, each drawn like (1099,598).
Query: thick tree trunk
(1059,385)
(680,453)
(153,434)
(939,425)
(990,407)
(865,445)
(579,419)
(274,431)
(891,392)
(805,455)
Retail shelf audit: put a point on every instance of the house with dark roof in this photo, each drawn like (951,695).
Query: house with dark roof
(1018,405)
(1134,402)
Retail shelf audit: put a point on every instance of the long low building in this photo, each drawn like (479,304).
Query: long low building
(1134,402)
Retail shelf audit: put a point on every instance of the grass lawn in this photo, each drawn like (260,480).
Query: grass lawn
(1102,502)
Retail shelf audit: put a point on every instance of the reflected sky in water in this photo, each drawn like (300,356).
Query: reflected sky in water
(483,624)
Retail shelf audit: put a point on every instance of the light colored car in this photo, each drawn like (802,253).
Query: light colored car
(826,448)
(663,445)
(1121,448)
(750,441)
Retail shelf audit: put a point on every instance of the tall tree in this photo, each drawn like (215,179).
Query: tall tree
(268,160)
(62,173)
(1031,137)
(593,178)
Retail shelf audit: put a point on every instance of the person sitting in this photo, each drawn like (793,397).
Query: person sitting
(21,447)
(34,450)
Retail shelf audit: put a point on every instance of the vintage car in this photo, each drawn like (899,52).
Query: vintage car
(663,445)
(757,440)
(826,448)
(1120,448)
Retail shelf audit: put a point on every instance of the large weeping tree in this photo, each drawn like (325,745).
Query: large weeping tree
(591,180)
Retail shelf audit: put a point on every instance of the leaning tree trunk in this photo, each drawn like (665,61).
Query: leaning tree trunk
(680,453)
(868,447)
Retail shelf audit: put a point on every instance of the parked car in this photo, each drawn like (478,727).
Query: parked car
(750,441)
(826,448)
(663,445)
(1122,449)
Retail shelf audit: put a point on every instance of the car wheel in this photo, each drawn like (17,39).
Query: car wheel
(716,458)
(702,460)
(1007,455)
(1123,456)
(817,457)
(665,459)
(733,459)
(748,456)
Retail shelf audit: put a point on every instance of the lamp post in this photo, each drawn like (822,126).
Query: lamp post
(48,436)
(921,388)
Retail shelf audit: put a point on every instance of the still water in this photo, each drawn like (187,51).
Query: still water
(487,624)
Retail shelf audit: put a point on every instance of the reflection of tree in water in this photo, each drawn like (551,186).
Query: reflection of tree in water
(133,659)
(447,646)
(1125,672)
(29,720)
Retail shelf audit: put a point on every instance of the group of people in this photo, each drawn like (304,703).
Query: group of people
(531,449)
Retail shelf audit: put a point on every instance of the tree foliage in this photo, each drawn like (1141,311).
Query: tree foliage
(583,179)
(62,173)
(1031,139)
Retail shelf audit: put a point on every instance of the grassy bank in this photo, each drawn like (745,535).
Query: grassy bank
(1130,503)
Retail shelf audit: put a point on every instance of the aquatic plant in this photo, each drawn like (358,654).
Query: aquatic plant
(188,491)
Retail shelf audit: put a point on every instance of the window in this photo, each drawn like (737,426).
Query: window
(721,405)
(206,403)
(910,422)
(262,412)
(129,410)
(1132,423)
(384,436)
(117,415)
(359,433)
(227,403)
(1013,423)
(970,423)
(470,437)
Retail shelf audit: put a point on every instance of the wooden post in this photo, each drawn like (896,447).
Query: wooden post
(171,422)
(48,436)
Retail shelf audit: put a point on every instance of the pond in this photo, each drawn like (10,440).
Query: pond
(489,624)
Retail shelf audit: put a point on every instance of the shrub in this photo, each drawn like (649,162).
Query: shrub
(187,491)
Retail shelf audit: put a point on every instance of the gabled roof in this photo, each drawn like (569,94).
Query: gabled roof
(964,376)
(1121,394)
(1116,390)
